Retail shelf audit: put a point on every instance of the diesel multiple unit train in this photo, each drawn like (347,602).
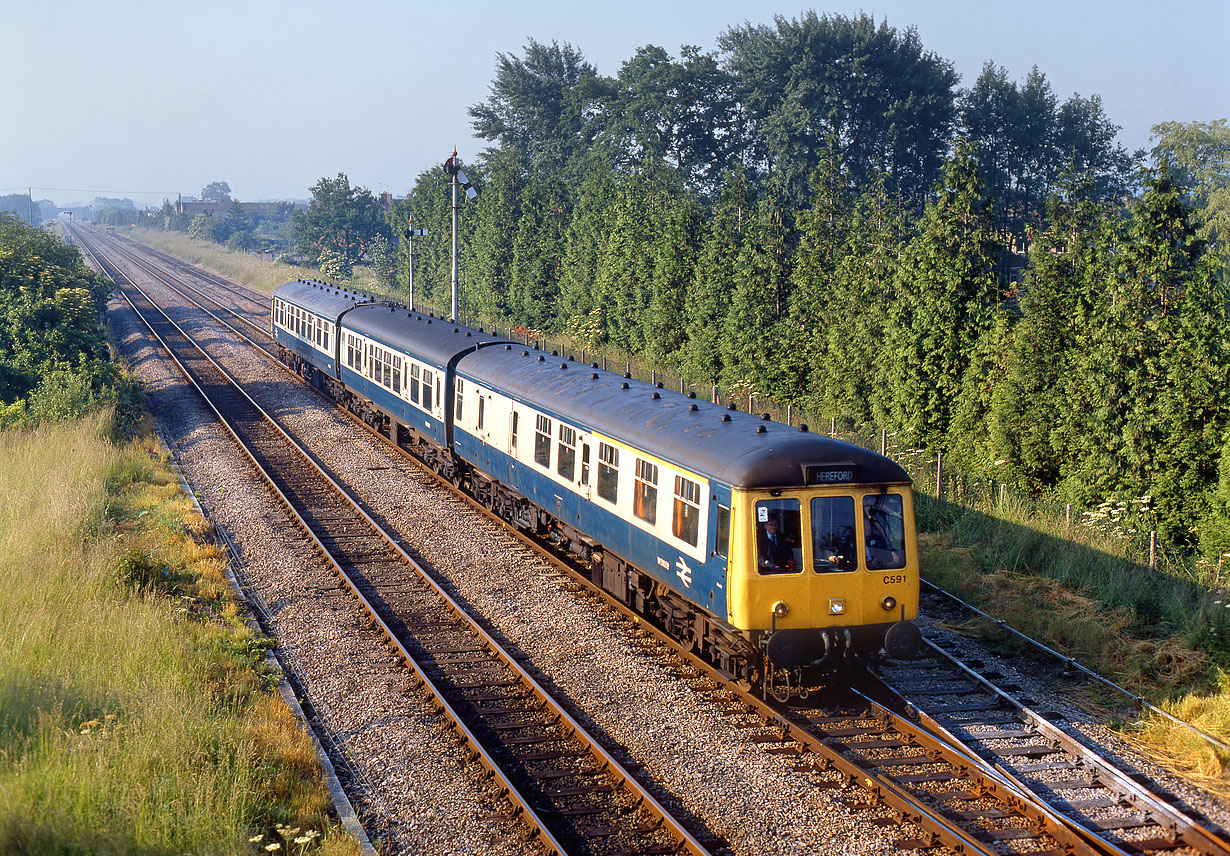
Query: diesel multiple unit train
(778,554)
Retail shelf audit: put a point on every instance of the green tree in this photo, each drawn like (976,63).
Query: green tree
(537,251)
(674,113)
(216,191)
(206,227)
(753,342)
(537,104)
(946,294)
(339,224)
(1198,153)
(887,102)
(713,284)
(591,224)
(1148,398)
(1064,276)
(50,306)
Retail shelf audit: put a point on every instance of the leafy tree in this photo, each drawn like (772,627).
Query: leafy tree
(1198,154)
(713,284)
(1065,272)
(945,298)
(537,250)
(537,104)
(206,227)
(339,224)
(752,346)
(591,224)
(50,305)
(216,191)
(843,294)
(674,113)
(887,103)
(1148,395)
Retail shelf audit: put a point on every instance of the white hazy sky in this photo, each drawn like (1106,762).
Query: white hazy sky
(149,99)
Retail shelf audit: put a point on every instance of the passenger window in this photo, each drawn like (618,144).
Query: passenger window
(397,375)
(722,544)
(427,391)
(585,464)
(566,463)
(542,442)
(685,522)
(608,472)
(832,534)
(778,527)
(512,433)
(461,385)
(481,402)
(884,531)
(645,496)
(414,384)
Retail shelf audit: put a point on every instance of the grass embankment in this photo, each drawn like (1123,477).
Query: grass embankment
(250,270)
(1164,633)
(135,716)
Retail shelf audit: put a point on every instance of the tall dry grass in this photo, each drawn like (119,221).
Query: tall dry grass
(131,717)
(242,267)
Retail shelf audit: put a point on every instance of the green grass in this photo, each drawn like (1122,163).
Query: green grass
(134,714)
(1163,632)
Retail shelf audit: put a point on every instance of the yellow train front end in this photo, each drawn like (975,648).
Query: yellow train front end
(824,574)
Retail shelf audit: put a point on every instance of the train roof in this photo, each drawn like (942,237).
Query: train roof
(320,298)
(737,448)
(437,340)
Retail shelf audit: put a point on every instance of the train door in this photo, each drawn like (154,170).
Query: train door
(583,486)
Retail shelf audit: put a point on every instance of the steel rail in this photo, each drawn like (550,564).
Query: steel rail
(1186,829)
(685,839)
(1072,663)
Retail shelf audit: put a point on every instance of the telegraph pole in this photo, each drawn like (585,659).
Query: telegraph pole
(452,167)
(410,234)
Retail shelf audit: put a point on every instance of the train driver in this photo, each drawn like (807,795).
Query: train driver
(773,551)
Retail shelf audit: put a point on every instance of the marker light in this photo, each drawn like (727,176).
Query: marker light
(837,606)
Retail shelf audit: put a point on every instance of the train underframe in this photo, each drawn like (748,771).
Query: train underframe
(730,650)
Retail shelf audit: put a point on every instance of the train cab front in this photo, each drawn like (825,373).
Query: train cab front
(829,578)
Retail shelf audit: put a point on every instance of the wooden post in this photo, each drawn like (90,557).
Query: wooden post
(790,414)
(1153,550)
(715,394)
(939,475)
(1069,514)
(653,377)
(1003,490)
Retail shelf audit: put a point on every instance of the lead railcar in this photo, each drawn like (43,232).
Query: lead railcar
(777,553)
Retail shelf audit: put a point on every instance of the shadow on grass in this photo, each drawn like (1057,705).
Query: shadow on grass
(1158,629)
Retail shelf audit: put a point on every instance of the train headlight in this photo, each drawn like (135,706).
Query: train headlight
(837,606)
(780,609)
(889,602)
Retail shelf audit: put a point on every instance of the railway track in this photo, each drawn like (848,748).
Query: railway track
(954,785)
(572,795)
(954,700)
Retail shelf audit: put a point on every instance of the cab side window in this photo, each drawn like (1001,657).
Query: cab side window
(778,526)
